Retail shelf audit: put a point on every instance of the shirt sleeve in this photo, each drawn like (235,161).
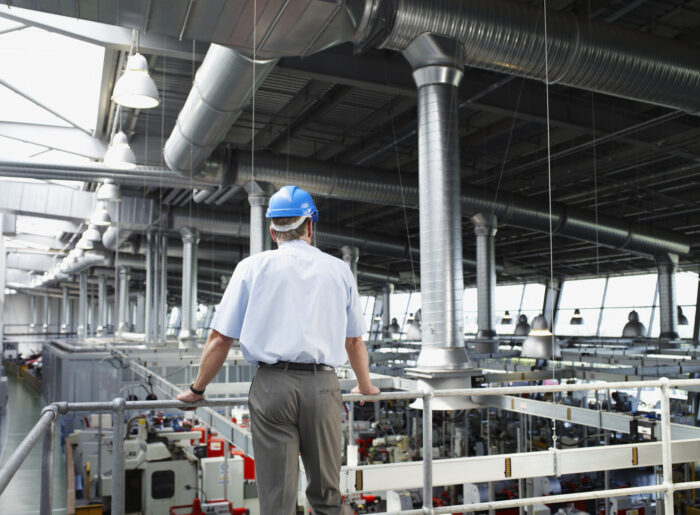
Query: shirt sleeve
(356,318)
(230,313)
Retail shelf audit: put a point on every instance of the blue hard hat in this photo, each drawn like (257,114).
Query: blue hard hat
(291,201)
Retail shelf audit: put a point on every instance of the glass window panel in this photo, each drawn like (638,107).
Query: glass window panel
(508,298)
(414,303)
(686,289)
(471,322)
(632,290)
(588,328)
(586,293)
(533,298)
(614,320)
(399,306)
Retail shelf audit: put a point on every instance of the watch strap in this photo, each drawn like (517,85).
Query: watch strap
(195,391)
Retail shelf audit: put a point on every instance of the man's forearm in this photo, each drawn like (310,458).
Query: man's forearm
(359,361)
(213,358)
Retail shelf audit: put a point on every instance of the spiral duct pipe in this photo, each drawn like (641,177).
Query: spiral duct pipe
(668,311)
(508,37)
(223,87)
(348,182)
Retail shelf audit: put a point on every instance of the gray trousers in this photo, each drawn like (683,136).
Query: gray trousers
(294,412)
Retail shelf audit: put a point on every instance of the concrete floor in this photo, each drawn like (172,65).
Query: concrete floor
(22,494)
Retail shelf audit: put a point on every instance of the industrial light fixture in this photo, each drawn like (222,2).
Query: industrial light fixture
(507,319)
(682,319)
(119,154)
(100,216)
(633,328)
(135,88)
(577,319)
(108,192)
(540,343)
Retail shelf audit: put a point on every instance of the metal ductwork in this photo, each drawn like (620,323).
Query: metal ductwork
(367,242)
(190,240)
(224,85)
(508,37)
(348,182)
(668,311)
(485,227)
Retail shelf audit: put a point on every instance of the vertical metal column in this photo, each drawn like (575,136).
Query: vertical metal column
(82,306)
(148,301)
(190,238)
(118,406)
(351,255)
(259,197)
(696,326)
(437,63)
(666,265)
(47,312)
(46,499)
(65,308)
(163,303)
(427,452)
(3,283)
(485,227)
(32,314)
(123,302)
(155,303)
(666,458)
(387,290)
(101,305)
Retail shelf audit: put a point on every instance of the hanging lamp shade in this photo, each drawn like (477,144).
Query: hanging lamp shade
(109,192)
(540,343)
(119,154)
(507,319)
(135,88)
(100,216)
(576,319)
(682,319)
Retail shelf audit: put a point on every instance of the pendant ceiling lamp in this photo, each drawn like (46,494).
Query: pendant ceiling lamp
(682,319)
(119,154)
(540,343)
(135,88)
(507,319)
(108,192)
(100,216)
(577,319)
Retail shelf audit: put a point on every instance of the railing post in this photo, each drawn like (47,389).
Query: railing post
(666,458)
(118,406)
(46,503)
(427,453)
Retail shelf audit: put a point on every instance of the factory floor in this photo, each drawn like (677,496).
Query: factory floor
(23,493)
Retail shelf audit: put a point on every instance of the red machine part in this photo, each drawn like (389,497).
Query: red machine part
(203,435)
(248,464)
(215,448)
(196,508)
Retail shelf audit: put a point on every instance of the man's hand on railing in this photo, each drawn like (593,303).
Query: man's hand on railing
(189,396)
(368,390)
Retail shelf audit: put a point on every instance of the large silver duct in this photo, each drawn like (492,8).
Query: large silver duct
(148,300)
(668,321)
(351,255)
(485,227)
(387,290)
(348,182)
(101,305)
(258,198)
(508,37)
(65,310)
(437,73)
(223,87)
(83,306)
(123,301)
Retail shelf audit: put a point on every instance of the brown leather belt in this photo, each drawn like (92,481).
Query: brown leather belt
(289,365)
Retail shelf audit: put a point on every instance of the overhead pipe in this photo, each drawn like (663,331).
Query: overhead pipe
(223,87)
(258,198)
(190,239)
(508,37)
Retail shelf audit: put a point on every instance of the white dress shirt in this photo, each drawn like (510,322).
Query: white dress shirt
(295,304)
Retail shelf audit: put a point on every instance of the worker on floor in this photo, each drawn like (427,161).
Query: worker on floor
(292,309)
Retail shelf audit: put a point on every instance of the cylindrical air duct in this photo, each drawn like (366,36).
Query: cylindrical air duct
(190,239)
(351,256)
(485,227)
(437,65)
(65,310)
(123,307)
(259,233)
(101,305)
(83,306)
(387,290)
(667,265)
(148,301)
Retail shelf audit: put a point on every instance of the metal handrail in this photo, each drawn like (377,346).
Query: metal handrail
(46,424)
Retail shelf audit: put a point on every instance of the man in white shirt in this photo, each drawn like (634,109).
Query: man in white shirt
(292,310)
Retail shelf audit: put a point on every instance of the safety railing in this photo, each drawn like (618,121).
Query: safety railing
(46,425)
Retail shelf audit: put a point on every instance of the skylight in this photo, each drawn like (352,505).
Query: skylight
(60,72)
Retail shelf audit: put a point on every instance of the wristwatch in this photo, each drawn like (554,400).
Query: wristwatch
(196,392)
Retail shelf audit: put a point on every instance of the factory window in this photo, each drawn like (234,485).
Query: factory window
(162,484)
(508,298)
(533,300)
(624,294)
(686,297)
(585,295)
(367,303)
(469,306)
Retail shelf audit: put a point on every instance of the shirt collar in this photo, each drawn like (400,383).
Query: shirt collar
(294,243)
